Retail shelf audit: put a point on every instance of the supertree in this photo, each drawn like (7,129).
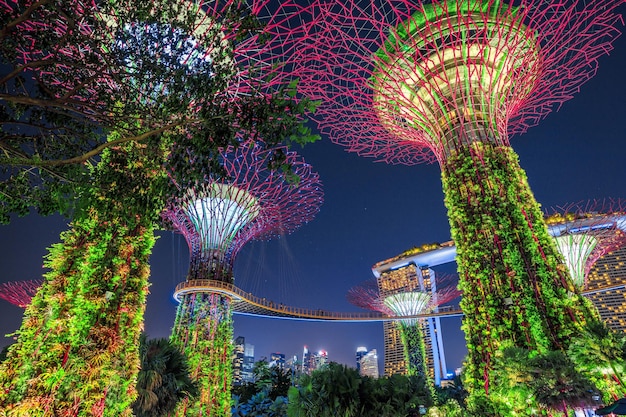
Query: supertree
(140,82)
(19,293)
(415,333)
(217,217)
(584,232)
(407,82)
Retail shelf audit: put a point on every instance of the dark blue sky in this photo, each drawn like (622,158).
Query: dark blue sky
(372,211)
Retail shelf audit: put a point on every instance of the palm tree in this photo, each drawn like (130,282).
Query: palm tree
(163,379)
(557,385)
(600,351)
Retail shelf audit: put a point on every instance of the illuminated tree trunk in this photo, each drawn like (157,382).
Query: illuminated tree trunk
(515,286)
(412,335)
(203,330)
(77,350)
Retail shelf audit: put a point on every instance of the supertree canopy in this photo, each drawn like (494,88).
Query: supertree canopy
(450,81)
(19,293)
(585,232)
(217,217)
(408,303)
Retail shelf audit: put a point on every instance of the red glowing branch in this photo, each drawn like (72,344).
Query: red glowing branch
(367,295)
(19,293)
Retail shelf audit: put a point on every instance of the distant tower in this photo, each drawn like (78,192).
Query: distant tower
(217,217)
(247,371)
(412,346)
(360,352)
(368,365)
(19,293)
(408,81)
(306,361)
(238,351)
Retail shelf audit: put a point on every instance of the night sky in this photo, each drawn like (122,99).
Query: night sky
(371,212)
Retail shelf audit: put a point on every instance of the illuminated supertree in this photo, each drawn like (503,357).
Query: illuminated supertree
(19,293)
(450,81)
(585,232)
(402,302)
(217,217)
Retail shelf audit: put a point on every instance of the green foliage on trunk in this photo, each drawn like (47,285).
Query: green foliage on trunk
(515,286)
(203,330)
(77,349)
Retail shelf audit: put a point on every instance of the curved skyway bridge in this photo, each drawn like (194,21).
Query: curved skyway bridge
(249,304)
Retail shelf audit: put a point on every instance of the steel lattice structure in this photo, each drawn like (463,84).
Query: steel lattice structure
(585,232)
(19,293)
(450,81)
(217,218)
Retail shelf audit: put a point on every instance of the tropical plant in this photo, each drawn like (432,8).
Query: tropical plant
(163,378)
(600,352)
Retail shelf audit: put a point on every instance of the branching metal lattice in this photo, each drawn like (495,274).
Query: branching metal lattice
(254,202)
(406,82)
(19,293)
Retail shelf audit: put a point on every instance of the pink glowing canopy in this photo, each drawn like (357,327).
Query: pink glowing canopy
(407,81)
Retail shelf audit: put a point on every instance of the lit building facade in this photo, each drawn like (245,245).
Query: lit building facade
(247,373)
(313,360)
(238,351)
(360,352)
(277,359)
(609,270)
(368,364)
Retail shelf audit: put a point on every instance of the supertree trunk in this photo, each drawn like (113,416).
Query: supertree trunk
(515,286)
(77,349)
(203,330)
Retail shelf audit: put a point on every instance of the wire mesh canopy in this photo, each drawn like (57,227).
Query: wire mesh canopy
(405,81)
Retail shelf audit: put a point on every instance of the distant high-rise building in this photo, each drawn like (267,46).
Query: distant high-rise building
(368,364)
(360,352)
(293,364)
(247,374)
(306,358)
(318,359)
(277,359)
(394,277)
(608,271)
(313,360)
(238,352)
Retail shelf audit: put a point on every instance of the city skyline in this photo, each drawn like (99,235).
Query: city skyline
(372,211)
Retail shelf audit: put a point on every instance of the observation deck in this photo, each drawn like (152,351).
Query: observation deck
(248,304)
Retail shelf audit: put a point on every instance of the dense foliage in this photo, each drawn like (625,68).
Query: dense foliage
(69,79)
(163,379)
(203,330)
(336,390)
(77,348)
(515,286)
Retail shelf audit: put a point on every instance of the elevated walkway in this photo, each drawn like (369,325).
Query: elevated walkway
(249,304)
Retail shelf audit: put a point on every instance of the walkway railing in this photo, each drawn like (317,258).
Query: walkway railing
(246,303)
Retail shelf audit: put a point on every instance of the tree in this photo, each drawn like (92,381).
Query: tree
(69,79)
(600,352)
(103,125)
(163,378)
